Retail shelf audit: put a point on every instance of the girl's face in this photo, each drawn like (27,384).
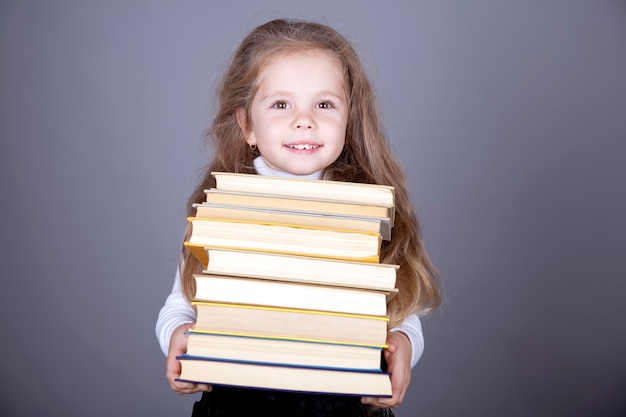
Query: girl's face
(299,114)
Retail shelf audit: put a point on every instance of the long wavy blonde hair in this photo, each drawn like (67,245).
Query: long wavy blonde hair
(367,156)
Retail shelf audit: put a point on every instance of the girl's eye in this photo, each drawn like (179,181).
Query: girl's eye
(325,105)
(280,105)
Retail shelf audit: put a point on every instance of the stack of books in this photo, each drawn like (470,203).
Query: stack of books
(292,295)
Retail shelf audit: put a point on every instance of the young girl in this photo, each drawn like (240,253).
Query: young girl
(295,101)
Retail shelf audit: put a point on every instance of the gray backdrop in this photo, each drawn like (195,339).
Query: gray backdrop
(510,118)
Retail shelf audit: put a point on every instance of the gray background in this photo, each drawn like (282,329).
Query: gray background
(510,118)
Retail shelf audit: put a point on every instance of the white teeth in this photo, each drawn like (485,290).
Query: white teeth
(303,146)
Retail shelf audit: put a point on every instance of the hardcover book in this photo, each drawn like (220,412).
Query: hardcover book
(284,377)
(291,323)
(264,292)
(306,269)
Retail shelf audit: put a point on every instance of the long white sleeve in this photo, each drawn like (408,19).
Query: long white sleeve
(412,328)
(175,311)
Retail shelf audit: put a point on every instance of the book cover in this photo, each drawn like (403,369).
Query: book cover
(294,268)
(270,201)
(264,292)
(291,352)
(285,239)
(289,323)
(285,377)
(296,218)
(319,189)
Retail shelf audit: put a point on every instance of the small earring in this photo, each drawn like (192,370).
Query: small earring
(252,146)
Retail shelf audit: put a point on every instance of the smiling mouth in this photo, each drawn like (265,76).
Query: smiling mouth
(303,146)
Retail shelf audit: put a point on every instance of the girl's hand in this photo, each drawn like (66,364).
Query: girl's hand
(178,346)
(398,357)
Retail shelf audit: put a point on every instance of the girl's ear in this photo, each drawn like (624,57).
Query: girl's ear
(242,121)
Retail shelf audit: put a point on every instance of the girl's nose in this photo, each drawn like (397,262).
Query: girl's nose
(304,121)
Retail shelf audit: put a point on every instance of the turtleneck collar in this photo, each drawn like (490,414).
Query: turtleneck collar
(261,168)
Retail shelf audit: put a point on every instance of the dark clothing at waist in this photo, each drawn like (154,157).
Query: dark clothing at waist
(245,402)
